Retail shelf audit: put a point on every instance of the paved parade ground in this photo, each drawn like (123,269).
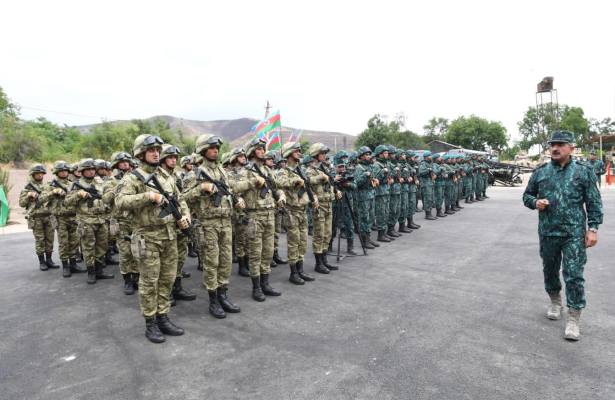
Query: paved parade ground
(455,310)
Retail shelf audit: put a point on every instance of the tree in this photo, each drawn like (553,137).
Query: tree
(537,126)
(379,131)
(573,120)
(476,133)
(435,129)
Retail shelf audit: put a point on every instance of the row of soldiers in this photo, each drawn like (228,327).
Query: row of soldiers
(215,205)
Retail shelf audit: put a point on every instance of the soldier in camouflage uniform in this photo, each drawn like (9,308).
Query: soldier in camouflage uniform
(34,198)
(394,192)
(413,188)
(103,172)
(271,158)
(402,162)
(427,177)
(365,194)
(569,208)
(85,196)
(344,180)
(65,218)
(440,173)
(380,171)
(154,239)
(289,179)
(467,180)
(237,175)
(185,164)
(598,167)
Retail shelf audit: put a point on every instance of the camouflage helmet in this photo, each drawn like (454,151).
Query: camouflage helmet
(36,168)
(278,159)
(144,142)
(61,165)
(236,152)
(289,148)
(99,163)
(169,150)
(270,155)
(306,160)
(410,153)
(185,160)
(363,150)
(225,159)
(339,156)
(381,149)
(86,163)
(118,157)
(352,156)
(197,159)
(400,153)
(317,148)
(253,144)
(73,167)
(207,140)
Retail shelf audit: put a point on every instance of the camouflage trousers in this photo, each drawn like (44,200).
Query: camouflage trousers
(382,210)
(460,189)
(68,242)
(449,193)
(182,251)
(260,231)
(43,234)
(474,185)
(241,238)
(411,203)
(344,219)
(365,215)
(323,227)
(569,254)
(128,265)
(438,194)
(94,242)
(394,209)
(157,272)
(403,207)
(428,197)
(467,187)
(216,246)
(297,236)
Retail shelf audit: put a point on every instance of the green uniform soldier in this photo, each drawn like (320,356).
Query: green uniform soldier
(85,196)
(185,163)
(103,172)
(467,180)
(598,167)
(382,174)
(66,223)
(569,208)
(449,184)
(394,192)
(34,199)
(344,181)
(427,177)
(365,183)
(440,173)
(154,238)
(413,187)
(402,159)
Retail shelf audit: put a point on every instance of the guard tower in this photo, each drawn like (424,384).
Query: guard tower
(547,106)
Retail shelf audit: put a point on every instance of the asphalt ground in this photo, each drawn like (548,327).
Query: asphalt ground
(455,310)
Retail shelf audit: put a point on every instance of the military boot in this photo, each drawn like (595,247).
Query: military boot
(411,223)
(257,292)
(449,210)
(325,262)
(129,288)
(439,213)
(572,331)
(167,327)
(303,275)
(350,247)
(279,260)
(554,311)
(458,205)
(366,242)
(267,289)
(429,217)
(100,273)
(191,250)
(382,237)
(152,331)
(135,280)
(294,275)
(319,267)
(485,196)
(179,293)
(369,238)
(41,263)
(91,274)
(109,260)
(402,228)
(49,262)
(185,274)
(66,269)
(225,302)
(467,201)
(74,268)
(391,232)
(215,308)
(242,262)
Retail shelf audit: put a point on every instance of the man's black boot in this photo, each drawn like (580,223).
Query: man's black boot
(294,275)
(100,273)
(41,263)
(257,292)
(439,213)
(429,217)
(225,302)
(242,262)
(411,223)
(66,269)
(179,293)
(279,260)
(369,238)
(449,210)
(458,205)
(366,242)
(152,331)
(191,251)
(382,237)
(167,327)
(49,262)
(402,228)
(215,308)
(325,262)
(303,275)
(109,260)
(74,268)
(267,289)
(350,247)
(91,274)
(319,267)
(129,287)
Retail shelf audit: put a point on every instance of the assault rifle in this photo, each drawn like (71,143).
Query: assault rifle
(269,185)
(91,190)
(223,189)
(33,188)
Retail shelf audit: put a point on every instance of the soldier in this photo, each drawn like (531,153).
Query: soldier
(365,183)
(102,176)
(65,218)
(427,176)
(598,167)
(402,163)
(33,198)
(168,161)
(185,164)
(271,158)
(297,192)
(154,239)
(467,180)
(238,175)
(261,198)
(394,192)
(344,181)
(564,192)
(85,196)
(413,183)
(323,219)
(440,174)
(382,174)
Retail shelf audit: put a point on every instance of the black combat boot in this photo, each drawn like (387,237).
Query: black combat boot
(294,275)
(267,289)
(74,268)
(402,228)
(167,327)
(109,260)
(458,205)
(411,223)
(179,293)
(273,264)
(321,269)
(41,263)
(382,237)
(91,274)
(129,287)
(310,230)
(100,273)
(115,249)
(439,213)
(191,251)
(152,331)
(449,210)
(225,302)
(66,269)
(391,232)
(257,292)
(49,262)
(215,308)
(242,262)
(485,196)
(369,238)
(278,260)
(325,262)
(350,247)
(366,242)
(303,275)
(135,280)
(429,217)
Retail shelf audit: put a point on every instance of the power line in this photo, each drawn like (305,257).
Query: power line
(62,112)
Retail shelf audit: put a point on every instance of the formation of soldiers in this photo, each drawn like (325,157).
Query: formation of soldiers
(231,207)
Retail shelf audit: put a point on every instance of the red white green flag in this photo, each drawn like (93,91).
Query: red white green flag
(269,129)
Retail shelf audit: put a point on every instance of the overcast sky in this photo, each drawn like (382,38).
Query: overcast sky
(326,65)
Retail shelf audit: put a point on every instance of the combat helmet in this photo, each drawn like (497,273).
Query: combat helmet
(317,148)
(363,150)
(185,160)
(86,163)
(169,150)
(61,165)
(339,156)
(144,142)
(207,140)
(380,149)
(270,155)
(36,168)
(289,148)
(253,145)
(118,157)
(225,159)
(236,152)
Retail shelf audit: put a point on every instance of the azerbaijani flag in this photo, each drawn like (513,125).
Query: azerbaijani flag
(269,129)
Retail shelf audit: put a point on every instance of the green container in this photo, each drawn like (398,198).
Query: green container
(4,207)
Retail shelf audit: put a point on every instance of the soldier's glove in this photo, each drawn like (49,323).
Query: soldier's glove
(240,203)
(184,222)
(260,181)
(339,194)
(32,195)
(209,187)
(299,182)
(58,192)
(84,195)
(155,197)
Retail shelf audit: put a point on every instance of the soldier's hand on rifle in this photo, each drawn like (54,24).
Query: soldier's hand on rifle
(184,222)
(401,180)
(58,192)
(281,202)
(390,181)
(155,197)
(32,195)
(324,177)
(240,203)
(375,182)
(84,195)
(209,187)
(299,182)
(339,194)
(410,179)
(259,181)
(315,203)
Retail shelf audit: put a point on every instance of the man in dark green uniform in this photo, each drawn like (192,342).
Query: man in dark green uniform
(427,176)
(562,190)
(598,167)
